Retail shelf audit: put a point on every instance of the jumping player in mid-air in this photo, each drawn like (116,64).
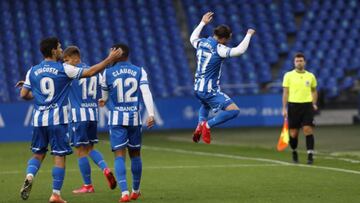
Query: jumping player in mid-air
(211,52)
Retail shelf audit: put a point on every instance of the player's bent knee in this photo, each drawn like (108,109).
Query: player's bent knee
(231,107)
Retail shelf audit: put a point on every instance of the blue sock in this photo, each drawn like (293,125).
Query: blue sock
(33,166)
(222,117)
(58,177)
(136,169)
(85,170)
(98,159)
(120,172)
(203,113)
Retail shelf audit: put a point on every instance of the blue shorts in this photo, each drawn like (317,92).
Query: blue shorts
(56,135)
(83,133)
(215,100)
(125,136)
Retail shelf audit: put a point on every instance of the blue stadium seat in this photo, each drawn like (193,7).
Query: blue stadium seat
(332,89)
(347,83)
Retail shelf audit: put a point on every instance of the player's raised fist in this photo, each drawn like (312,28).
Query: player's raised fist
(251,31)
(207,17)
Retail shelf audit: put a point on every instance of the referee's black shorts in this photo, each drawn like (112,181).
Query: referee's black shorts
(300,114)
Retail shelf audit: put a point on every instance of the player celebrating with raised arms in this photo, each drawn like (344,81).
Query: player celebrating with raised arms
(211,52)
(48,83)
(123,85)
(83,98)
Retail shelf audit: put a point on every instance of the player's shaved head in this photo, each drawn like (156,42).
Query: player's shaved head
(124,48)
(47,45)
(72,51)
(222,32)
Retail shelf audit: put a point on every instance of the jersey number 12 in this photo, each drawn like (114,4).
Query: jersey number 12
(128,82)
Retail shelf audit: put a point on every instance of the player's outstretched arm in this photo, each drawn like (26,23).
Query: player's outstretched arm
(93,70)
(244,44)
(206,19)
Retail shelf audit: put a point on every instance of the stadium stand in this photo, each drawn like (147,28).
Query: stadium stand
(148,26)
(329,35)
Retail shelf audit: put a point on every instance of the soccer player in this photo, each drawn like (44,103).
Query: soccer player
(123,85)
(48,83)
(83,98)
(211,52)
(299,104)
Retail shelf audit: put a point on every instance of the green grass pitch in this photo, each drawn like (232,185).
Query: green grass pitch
(241,165)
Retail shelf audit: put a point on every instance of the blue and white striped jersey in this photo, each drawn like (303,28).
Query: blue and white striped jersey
(83,97)
(208,72)
(50,82)
(123,81)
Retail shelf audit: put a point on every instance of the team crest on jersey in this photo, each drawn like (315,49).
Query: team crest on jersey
(307,83)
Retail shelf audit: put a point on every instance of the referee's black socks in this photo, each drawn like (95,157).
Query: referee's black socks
(310,144)
(293,143)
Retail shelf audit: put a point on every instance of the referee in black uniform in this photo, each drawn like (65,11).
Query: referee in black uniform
(299,104)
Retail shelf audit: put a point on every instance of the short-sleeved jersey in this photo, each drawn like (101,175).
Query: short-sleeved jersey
(123,81)
(300,85)
(83,97)
(50,82)
(208,72)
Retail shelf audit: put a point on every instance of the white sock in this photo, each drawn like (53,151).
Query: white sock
(30,176)
(56,192)
(125,193)
(207,126)
(136,191)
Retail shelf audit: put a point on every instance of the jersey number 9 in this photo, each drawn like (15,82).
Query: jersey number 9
(47,88)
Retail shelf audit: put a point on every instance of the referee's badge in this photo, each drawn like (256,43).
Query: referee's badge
(307,83)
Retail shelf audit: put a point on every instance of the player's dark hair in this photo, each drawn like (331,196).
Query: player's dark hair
(299,55)
(223,31)
(47,45)
(124,48)
(72,51)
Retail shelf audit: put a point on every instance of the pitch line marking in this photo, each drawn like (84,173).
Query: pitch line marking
(317,153)
(161,167)
(181,151)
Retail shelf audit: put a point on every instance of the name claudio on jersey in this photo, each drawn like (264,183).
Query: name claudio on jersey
(124,71)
